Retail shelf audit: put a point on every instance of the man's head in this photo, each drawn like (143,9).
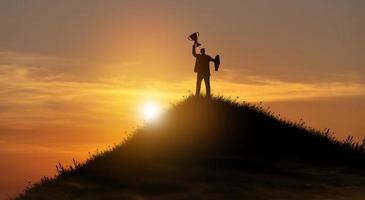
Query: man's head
(202,51)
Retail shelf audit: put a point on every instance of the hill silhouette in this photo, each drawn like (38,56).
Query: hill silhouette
(215,149)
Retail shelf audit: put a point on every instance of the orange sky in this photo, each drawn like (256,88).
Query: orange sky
(73,74)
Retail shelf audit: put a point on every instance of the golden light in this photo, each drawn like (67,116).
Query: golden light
(151,111)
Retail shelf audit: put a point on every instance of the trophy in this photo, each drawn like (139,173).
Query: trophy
(194,37)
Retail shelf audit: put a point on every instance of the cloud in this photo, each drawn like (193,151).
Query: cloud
(274,90)
(41,94)
(257,77)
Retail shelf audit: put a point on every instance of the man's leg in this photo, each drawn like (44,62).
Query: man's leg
(198,84)
(207,85)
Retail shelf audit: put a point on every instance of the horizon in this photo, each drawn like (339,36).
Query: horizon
(74,75)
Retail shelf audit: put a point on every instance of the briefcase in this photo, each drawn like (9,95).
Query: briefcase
(217,62)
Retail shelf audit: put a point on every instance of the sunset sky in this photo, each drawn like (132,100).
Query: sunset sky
(73,74)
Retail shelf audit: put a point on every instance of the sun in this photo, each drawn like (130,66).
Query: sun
(150,111)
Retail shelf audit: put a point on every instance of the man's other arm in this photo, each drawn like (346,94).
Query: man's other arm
(211,59)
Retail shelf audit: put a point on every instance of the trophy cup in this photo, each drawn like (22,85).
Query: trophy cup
(194,37)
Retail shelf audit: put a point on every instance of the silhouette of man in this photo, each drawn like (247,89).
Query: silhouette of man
(202,70)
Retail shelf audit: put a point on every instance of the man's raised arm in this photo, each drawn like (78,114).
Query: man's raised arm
(194,50)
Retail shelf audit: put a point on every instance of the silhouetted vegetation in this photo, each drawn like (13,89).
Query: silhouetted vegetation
(215,148)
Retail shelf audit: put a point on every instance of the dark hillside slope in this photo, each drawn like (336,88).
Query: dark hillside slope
(216,149)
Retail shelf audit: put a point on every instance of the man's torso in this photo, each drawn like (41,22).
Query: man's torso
(202,64)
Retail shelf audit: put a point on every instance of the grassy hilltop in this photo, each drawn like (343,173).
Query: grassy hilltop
(216,149)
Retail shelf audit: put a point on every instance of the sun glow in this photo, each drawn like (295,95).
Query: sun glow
(150,111)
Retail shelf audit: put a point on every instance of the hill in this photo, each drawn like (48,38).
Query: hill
(216,149)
